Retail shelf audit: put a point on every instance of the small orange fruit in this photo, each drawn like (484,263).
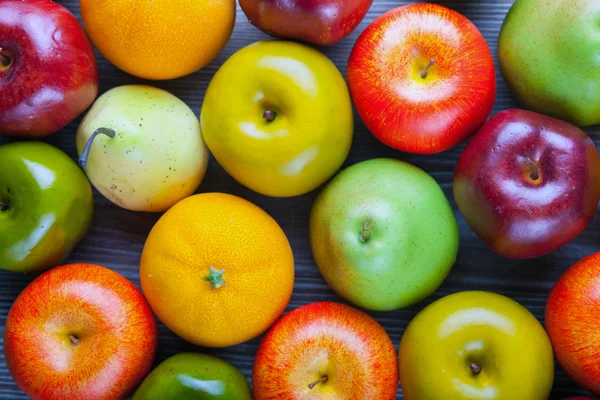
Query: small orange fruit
(217,270)
(159,39)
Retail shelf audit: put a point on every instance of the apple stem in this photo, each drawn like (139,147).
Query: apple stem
(315,383)
(215,277)
(270,115)
(74,339)
(4,61)
(534,174)
(426,70)
(475,368)
(365,233)
(85,154)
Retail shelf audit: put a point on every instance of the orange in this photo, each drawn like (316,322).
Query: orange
(217,270)
(163,39)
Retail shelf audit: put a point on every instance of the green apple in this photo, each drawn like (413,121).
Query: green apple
(549,54)
(193,376)
(142,148)
(475,346)
(46,206)
(383,234)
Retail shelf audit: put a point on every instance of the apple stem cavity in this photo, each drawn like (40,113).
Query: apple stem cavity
(532,170)
(5,60)
(365,233)
(426,70)
(320,380)
(85,154)
(270,115)
(74,339)
(215,277)
(475,368)
(4,206)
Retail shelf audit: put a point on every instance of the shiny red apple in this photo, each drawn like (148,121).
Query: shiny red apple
(319,22)
(80,331)
(527,183)
(48,72)
(572,321)
(325,351)
(422,78)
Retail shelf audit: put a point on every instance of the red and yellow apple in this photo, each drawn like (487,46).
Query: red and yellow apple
(80,331)
(527,183)
(48,72)
(325,351)
(422,78)
(572,318)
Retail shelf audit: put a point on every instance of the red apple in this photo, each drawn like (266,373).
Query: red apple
(48,71)
(325,351)
(527,183)
(319,22)
(572,319)
(422,78)
(80,331)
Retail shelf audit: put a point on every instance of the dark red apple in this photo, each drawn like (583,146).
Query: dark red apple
(528,183)
(319,22)
(48,72)
(572,319)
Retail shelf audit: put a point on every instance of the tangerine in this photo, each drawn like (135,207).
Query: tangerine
(217,270)
(159,39)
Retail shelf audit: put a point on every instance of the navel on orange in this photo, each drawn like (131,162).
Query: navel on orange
(163,39)
(217,270)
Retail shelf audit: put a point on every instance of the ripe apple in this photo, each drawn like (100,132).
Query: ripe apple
(527,183)
(553,70)
(194,376)
(48,71)
(46,206)
(80,331)
(142,148)
(278,117)
(325,351)
(572,315)
(422,78)
(475,345)
(383,234)
(319,22)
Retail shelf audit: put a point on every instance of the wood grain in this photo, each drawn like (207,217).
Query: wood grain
(117,236)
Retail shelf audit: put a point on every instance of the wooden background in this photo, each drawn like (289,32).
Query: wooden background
(117,236)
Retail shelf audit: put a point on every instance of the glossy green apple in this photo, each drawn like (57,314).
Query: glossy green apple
(193,376)
(475,346)
(383,234)
(549,54)
(46,206)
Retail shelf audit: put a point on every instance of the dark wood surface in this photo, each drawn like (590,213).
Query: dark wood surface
(117,236)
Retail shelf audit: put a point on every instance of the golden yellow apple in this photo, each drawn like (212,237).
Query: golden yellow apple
(476,346)
(278,117)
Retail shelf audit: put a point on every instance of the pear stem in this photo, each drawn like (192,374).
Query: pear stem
(270,115)
(475,368)
(426,70)
(74,339)
(4,61)
(85,154)
(315,383)
(365,233)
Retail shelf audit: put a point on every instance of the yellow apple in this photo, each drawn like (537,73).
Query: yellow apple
(476,346)
(141,147)
(278,117)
